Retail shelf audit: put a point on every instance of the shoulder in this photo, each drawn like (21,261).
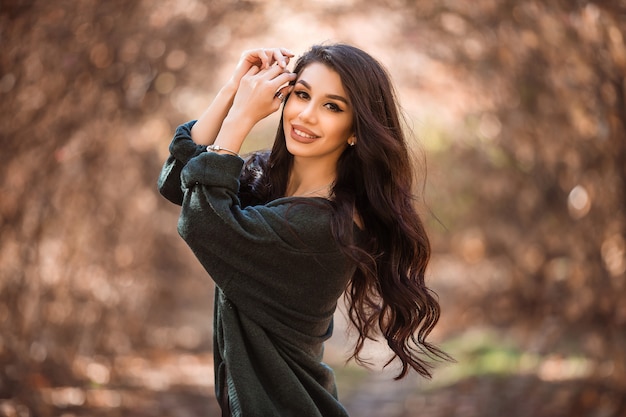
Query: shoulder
(303,223)
(307,210)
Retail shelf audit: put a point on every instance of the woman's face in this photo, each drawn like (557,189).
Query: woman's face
(317,117)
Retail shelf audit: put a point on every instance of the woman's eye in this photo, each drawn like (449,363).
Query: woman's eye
(333,107)
(301,94)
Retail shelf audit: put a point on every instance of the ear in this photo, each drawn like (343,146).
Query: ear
(352,140)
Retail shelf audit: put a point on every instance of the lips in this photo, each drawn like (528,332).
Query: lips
(300,134)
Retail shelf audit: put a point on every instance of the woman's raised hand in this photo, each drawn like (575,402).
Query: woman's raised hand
(257,95)
(262,58)
(206,129)
(250,95)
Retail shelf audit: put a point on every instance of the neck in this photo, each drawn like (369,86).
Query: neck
(307,178)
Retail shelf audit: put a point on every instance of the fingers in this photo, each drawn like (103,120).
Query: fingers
(253,70)
(266,57)
(284,78)
(278,80)
(266,85)
(274,73)
(281,56)
(261,59)
(283,92)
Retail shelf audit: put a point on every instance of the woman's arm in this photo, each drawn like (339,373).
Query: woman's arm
(209,124)
(255,99)
(182,150)
(191,138)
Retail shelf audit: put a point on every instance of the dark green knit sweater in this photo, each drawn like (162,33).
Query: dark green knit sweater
(278,274)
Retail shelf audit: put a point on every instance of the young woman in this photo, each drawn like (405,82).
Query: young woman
(284,234)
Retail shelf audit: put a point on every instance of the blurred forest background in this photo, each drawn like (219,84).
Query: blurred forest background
(519,105)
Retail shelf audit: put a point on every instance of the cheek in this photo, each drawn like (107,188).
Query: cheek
(346,129)
(289,108)
(286,116)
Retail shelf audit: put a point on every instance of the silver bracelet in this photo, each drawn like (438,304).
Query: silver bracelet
(217,148)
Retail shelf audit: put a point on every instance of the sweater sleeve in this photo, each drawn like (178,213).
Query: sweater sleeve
(182,149)
(259,242)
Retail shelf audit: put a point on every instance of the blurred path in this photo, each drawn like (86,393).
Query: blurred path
(379,395)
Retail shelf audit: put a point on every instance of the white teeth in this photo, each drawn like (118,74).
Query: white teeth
(304,135)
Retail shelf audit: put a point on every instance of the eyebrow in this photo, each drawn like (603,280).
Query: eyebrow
(332,96)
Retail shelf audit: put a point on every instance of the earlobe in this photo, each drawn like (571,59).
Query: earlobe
(352,141)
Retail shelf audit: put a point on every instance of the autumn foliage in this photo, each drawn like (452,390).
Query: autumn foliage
(528,185)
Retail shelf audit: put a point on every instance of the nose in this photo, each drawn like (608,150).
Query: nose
(308,113)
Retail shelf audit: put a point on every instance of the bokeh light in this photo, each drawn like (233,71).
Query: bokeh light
(517,105)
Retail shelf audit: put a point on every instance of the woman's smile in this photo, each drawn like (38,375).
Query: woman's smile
(302,135)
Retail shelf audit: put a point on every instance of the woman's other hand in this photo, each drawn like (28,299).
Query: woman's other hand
(257,96)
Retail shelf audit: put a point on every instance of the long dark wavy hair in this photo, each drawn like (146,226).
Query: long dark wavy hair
(387,294)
